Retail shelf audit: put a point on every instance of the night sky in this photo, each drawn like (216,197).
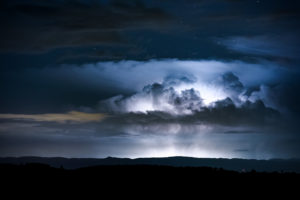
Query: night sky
(150,78)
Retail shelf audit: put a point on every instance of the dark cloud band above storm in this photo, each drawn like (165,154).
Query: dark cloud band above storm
(49,25)
(139,30)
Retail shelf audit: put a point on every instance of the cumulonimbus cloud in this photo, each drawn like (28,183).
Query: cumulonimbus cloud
(182,99)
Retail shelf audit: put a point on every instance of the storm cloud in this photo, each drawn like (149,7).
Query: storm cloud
(96,78)
(177,101)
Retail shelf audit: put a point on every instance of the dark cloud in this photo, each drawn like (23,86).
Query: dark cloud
(282,46)
(39,26)
(232,82)
(232,85)
(142,30)
(224,113)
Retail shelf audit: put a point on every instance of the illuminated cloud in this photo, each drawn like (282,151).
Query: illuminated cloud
(85,85)
(182,95)
(72,116)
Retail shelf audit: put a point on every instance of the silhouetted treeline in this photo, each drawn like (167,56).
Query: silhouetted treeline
(286,165)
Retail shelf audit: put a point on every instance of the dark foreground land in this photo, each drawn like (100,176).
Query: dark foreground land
(145,180)
(182,177)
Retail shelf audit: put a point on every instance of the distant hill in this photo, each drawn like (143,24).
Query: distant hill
(273,165)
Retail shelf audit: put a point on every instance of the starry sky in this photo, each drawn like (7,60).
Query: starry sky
(150,78)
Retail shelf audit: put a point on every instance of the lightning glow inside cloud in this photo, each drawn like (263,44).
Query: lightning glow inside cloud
(182,87)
